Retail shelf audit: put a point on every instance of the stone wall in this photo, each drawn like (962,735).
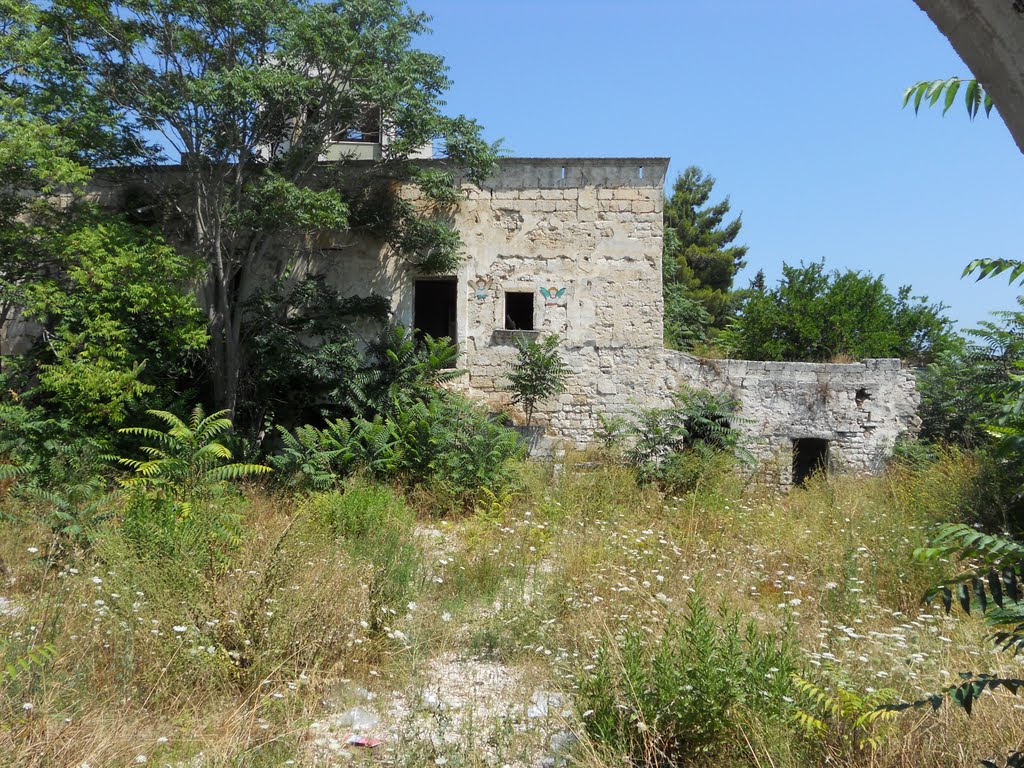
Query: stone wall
(859,408)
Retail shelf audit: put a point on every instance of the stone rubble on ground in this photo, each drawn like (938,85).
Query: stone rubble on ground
(459,699)
(10,608)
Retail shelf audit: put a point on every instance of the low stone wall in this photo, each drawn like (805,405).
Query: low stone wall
(858,408)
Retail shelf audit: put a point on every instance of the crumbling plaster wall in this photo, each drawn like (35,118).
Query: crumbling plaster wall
(860,408)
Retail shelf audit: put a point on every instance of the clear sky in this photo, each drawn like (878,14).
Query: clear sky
(794,106)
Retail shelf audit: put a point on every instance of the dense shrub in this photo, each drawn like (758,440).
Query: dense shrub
(122,325)
(400,368)
(302,351)
(691,692)
(38,449)
(680,446)
(444,442)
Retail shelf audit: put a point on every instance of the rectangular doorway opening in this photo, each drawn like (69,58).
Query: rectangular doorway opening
(810,456)
(518,311)
(434,308)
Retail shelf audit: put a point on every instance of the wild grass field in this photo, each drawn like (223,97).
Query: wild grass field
(580,619)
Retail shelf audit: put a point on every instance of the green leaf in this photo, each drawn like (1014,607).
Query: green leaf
(971,98)
(964,597)
(922,89)
(952,86)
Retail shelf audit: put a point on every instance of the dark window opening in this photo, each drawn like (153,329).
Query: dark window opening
(364,128)
(861,396)
(810,456)
(367,128)
(518,311)
(434,308)
(141,206)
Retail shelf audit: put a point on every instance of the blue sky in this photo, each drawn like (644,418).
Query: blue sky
(794,106)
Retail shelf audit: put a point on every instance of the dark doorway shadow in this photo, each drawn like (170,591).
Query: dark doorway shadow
(810,455)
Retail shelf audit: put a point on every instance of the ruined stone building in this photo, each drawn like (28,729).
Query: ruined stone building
(573,247)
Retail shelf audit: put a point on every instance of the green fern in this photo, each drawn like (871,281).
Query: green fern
(188,460)
(537,373)
(316,458)
(25,435)
(173,511)
(77,510)
(401,369)
(851,717)
(699,429)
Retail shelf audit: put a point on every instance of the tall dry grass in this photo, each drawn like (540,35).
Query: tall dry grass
(157,659)
(160,659)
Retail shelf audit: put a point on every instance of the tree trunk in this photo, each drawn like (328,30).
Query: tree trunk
(224,355)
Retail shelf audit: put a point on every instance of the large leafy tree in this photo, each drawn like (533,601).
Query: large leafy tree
(700,255)
(120,323)
(814,315)
(113,302)
(249,93)
(39,147)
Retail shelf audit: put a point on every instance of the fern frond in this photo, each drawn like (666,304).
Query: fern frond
(147,432)
(963,695)
(235,472)
(811,725)
(214,451)
(172,421)
(12,471)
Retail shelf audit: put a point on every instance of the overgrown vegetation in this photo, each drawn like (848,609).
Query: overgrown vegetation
(697,691)
(821,316)
(340,525)
(685,613)
(682,446)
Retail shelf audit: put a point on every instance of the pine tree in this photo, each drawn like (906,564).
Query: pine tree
(698,245)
